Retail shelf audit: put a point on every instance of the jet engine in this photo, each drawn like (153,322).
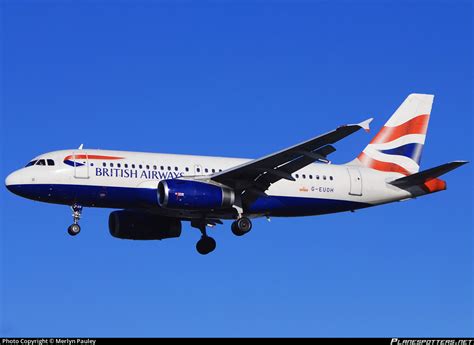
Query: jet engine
(132,225)
(194,195)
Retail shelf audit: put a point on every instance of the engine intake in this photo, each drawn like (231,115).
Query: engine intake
(142,226)
(194,195)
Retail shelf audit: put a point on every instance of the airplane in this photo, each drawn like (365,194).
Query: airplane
(154,193)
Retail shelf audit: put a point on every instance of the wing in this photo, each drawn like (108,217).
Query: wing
(256,176)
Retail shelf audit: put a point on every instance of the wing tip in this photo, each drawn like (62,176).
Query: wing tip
(460,162)
(365,125)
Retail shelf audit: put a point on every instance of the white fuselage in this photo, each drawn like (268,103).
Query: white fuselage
(121,179)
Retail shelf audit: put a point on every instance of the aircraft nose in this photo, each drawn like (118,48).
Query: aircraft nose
(12,182)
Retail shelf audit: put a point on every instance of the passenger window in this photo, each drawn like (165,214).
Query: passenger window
(104,164)
(206,170)
(169,168)
(324,177)
(198,170)
(297,176)
(213,171)
(220,170)
(111,165)
(31,163)
(92,164)
(133,166)
(162,167)
(304,176)
(154,167)
(317,177)
(310,177)
(330,177)
(147,167)
(41,162)
(50,162)
(187,169)
(125,165)
(140,166)
(118,165)
(175,168)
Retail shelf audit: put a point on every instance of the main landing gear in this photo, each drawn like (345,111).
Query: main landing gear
(206,244)
(241,226)
(75,228)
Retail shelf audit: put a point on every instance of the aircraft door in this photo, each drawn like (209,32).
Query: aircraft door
(81,164)
(355,181)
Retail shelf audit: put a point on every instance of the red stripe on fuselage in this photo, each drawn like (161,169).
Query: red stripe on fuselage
(417,125)
(381,166)
(92,157)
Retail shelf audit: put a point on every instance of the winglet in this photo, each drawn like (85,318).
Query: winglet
(365,124)
(80,147)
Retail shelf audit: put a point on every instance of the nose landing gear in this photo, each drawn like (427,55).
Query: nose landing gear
(75,228)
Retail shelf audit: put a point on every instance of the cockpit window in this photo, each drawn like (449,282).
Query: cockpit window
(31,163)
(43,162)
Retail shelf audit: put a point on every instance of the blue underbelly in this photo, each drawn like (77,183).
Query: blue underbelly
(89,196)
(125,197)
(285,206)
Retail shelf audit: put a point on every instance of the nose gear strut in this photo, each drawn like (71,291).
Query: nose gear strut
(75,228)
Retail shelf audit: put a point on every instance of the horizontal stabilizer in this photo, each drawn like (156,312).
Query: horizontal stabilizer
(426,175)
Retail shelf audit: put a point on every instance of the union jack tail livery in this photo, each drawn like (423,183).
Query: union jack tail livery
(399,144)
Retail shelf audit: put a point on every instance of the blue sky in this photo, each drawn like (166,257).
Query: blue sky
(236,79)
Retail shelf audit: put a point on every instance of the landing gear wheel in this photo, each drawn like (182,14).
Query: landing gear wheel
(241,226)
(205,245)
(74,229)
(244,224)
(235,229)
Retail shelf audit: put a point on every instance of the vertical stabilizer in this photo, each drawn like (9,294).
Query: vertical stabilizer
(397,147)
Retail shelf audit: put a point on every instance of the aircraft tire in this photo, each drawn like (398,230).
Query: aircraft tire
(205,245)
(244,225)
(74,229)
(235,229)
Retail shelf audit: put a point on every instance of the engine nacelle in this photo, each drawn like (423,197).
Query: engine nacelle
(194,195)
(131,225)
